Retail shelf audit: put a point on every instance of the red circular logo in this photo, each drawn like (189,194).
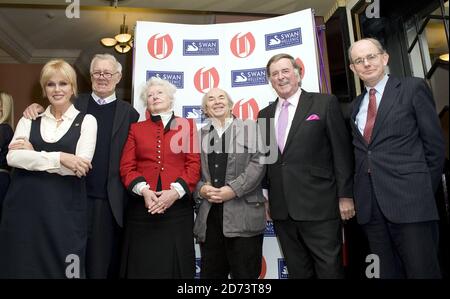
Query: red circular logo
(246,109)
(160,47)
(302,67)
(205,80)
(243,45)
(262,275)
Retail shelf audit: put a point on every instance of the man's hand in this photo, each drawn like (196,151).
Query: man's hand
(77,164)
(222,194)
(32,111)
(346,207)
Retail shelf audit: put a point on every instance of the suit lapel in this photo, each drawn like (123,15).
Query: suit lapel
(355,111)
(204,143)
(304,105)
(271,129)
(119,117)
(387,100)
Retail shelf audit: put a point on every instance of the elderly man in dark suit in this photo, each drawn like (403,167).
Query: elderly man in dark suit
(106,194)
(399,155)
(310,183)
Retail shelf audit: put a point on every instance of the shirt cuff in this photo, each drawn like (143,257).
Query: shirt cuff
(266,193)
(180,190)
(137,189)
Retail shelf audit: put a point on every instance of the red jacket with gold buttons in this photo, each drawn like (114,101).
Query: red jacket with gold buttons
(152,151)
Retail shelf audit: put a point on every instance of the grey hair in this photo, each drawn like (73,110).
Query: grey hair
(205,100)
(277,57)
(156,81)
(374,41)
(117,65)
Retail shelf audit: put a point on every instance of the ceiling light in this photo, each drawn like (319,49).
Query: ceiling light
(123,41)
(444,57)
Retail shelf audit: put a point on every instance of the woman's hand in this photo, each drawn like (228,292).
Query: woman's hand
(21,143)
(77,164)
(150,198)
(165,200)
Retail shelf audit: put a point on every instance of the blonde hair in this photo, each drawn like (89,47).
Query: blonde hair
(6,101)
(58,66)
(206,97)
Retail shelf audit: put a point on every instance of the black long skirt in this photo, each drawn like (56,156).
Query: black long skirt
(159,246)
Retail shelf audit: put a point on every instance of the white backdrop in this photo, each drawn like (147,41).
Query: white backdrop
(233,57)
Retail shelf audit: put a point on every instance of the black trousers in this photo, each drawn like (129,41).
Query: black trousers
(239,257)
(103,245)
(312,249)
(405,250)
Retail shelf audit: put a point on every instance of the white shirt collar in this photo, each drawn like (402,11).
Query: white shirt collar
(165,116)
(293,99)
(70,113)
(108,100)
(379,87)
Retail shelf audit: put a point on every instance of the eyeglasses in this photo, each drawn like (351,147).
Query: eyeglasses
(105,75)
(369,58)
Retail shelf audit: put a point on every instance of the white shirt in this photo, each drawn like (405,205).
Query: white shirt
(293,100)
(108,100)
(220,130)
(361,117)
(50,161)
(137,189)
(165,117)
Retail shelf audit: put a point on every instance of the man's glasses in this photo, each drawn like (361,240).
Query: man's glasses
(369,58)
(106,75)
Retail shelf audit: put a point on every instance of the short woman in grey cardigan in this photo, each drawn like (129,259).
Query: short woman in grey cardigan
(231,218)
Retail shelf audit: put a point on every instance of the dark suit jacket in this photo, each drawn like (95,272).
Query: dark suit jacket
(405,155)
(316,165)
(124,116)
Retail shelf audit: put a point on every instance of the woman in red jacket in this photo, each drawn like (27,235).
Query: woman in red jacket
(160,165)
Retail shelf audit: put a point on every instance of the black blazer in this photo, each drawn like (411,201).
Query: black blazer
(124,115)
(405,156)
(316,165)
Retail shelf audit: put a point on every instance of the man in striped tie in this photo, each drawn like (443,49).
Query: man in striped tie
(399,155)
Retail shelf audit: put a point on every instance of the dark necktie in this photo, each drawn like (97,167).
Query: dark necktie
(371,115)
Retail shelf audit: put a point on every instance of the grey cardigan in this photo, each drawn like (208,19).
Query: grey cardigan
(244,215)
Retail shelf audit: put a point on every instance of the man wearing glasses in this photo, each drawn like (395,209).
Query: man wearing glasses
(106,194)
(399,155)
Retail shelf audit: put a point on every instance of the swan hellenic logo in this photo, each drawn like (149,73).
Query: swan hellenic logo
(248,77)
(176,78)
(283,39)
(195,112)
(200,47)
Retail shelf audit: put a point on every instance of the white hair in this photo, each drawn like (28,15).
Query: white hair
(156,81)
(117,65)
